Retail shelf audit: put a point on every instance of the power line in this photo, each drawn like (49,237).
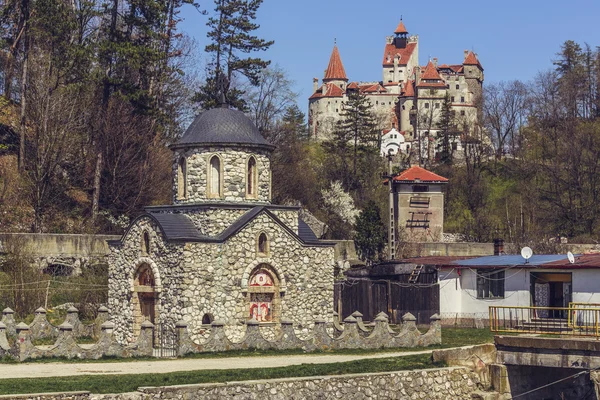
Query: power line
(555,382)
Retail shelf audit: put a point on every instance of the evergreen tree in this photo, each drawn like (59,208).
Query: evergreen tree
(370,236)
(446,130)
(231,36)
(357,131)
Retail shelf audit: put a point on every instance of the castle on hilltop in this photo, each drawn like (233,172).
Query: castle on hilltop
(409,97)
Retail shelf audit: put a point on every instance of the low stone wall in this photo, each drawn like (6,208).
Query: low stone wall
(445,383)
(431,384)
(41,328)
(353,334)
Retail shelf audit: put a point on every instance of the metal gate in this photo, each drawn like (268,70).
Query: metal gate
(165,341)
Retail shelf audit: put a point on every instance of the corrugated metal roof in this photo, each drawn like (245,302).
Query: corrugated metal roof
(540,259)
(305,233)
(177,226)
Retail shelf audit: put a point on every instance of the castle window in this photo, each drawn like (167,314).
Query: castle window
(457,87)
(462,99)
(452,99)
(426,105)
(437,105)
(251,178)
(207,319)
(145,243)
(214,177)
(263,244)
(462,112)
(181,178)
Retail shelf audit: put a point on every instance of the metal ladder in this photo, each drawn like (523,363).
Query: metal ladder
(414,275)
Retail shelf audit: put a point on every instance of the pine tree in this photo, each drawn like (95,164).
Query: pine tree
(357,126)
(370,236)
(232,36)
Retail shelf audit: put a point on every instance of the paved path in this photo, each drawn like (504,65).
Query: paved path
(34,370)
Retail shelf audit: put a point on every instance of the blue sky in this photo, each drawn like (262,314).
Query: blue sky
(513,39)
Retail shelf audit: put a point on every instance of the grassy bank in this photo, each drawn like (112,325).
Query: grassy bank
(126,383)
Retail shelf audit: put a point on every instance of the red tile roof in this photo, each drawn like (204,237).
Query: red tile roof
(401,28)
(408,89)
(472,59)
(353,85)
(418,174)
(335,69)
(392,51)
(431,72)
(327,90)
(376,88)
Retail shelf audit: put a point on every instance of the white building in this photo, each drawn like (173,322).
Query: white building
(393,142)
(468,287)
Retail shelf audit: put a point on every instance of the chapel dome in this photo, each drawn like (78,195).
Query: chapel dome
(222,126)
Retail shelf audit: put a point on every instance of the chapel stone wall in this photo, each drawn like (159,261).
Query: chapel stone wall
(233,175)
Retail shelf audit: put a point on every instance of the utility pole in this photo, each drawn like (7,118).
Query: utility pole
(392,215)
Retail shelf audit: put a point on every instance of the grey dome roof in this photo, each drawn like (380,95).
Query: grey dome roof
(222,126)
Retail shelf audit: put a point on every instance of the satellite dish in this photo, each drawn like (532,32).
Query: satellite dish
(571,257)
(526,253)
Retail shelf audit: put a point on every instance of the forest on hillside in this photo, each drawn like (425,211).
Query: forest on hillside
(93,92)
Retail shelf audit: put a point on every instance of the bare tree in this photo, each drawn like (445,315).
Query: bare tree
(269,100)
(504,113)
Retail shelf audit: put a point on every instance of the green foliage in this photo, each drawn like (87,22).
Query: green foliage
(370,233)
(231,36)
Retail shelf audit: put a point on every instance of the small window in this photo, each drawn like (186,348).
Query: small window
(420,188)
(214,177)
(181,178)
(426,105)
(452,99)
(490,284)
(454,146)
(207,319)
(462,112)
(462,99)
(437,105)
(457,87)
(251,178)
(263,244)
(145,243)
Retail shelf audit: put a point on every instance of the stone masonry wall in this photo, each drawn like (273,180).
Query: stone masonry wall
(234,174)
(165,259)
(216,277)
(443,383)
(195,279)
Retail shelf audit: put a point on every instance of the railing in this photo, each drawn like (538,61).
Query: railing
(579,319)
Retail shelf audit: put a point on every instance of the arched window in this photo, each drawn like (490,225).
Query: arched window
(214,177)
(145,243)
(263,294)
(251,178)
(207,319)
(263,244)
(181,178)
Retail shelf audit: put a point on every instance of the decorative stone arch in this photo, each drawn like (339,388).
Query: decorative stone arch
(155,272)
(263,294)
(252,266)
(145,281)
(251,177)
(214,166)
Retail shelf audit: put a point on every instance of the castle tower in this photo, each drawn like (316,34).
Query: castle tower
(400,56)
(418,204)
(335,72)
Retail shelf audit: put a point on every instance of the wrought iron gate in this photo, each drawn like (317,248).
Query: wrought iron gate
(165,341)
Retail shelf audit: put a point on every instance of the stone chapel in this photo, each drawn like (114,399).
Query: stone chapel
(221,251)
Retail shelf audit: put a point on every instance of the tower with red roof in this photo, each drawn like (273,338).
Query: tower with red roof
(417,206)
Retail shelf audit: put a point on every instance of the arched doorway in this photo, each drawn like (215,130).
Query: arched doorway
(144,297)
(264,300)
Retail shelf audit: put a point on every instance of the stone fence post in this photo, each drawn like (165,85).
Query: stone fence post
(4,346)
(8,317)
(409,335)
(41,327)
(185,345)
(145,340)
(65,345)
(101,318)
